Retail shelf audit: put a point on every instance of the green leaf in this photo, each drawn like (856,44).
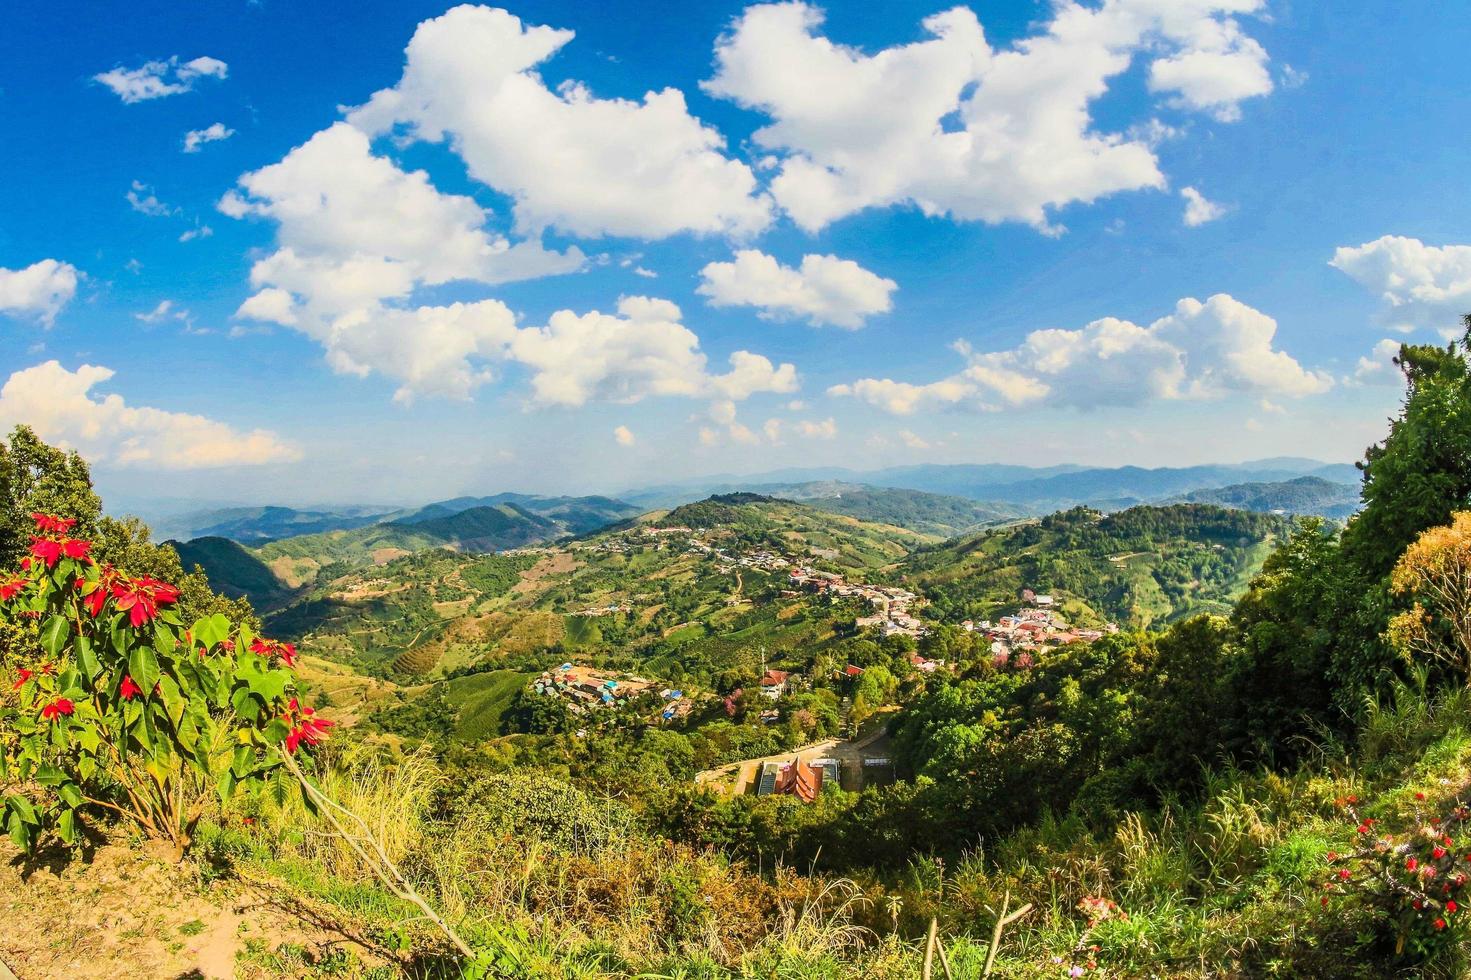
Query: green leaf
(54,634)
(245,704)
(70,794)
(226,785)
(87,658)
(243,761)
(66,826)
(49,775)
(270,685)
(143,667)
(276,731)
(22,808)
(20,833)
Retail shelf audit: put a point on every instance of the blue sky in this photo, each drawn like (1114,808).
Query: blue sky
(1147,231)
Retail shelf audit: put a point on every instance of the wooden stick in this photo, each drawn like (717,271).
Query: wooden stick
(944,960)
(1002,921)
(382,867)
(929,948)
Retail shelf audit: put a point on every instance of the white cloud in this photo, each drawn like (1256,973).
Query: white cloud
(158,314)
(642,351)
(825,290)
(142,199)
(955,127)
(1200,351)
(772,429)
(624,436)
(571,161)
(157,79)
(1378,367)
(1423,285)
(60,406)
(1198,210)
(198,231)
(212,133)
(912,440)
(356,235)
(808,429)
(39,290)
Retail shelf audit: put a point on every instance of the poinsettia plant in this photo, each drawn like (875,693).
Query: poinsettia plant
(118,705)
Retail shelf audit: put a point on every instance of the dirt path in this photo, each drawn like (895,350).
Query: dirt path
(127,915)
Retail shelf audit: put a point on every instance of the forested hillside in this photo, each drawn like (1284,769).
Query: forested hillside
(1135,567)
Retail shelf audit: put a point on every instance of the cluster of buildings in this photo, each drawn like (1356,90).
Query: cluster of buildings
(1032,629)
(586,689)
(891,605)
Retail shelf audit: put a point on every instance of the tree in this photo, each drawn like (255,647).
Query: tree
(1434,573)
(37,478)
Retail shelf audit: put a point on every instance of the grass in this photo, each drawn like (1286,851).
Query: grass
(483,699)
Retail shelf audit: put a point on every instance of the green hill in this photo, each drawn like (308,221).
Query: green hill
(1136,567)
(232,570)
(477,529)
(1308,495)
(915,510)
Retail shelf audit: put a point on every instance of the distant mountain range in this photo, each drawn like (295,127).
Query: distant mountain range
(999,486)
(259,525)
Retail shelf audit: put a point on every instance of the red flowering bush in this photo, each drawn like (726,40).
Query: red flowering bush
(117,706)
(1419,881)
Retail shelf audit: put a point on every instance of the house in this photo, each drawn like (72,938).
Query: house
(797,778)
(852,671)
(774,683)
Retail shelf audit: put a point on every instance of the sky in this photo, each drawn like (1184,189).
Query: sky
(386,252)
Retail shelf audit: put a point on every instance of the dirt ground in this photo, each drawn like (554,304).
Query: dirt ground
(125,914)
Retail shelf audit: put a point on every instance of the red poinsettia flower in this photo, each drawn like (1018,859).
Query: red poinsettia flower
(75,548)
(53,525)
(61,706)
(21,676)
(129,690)
(306,729)
(274,648)
(140,597)
(47,550)
(9,590)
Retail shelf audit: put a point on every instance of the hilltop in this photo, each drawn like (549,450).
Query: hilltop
(1307,495)
(1137,567)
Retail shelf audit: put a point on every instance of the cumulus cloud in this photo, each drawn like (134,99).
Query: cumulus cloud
(1198,210)
(60,406)
(1200,351)
(212,133)
(810,429)
(40,290)
(571,161)
(624,436)
(824,290)
(956,127)
(644,350)
(1378,367)
(912,440)
(156,79)
(1422,285)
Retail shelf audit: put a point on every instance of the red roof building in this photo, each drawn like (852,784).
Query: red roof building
(800,779)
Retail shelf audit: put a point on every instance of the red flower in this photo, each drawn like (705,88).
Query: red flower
(1332,856)
(268,648)
(75,548)
(22,676)
(1411,864)
(1438,853)
(307,729)
(129,689)
(61,706)
(1343,875)
(1450,907)
(46,550)
(1419,796)
(9,589)
(1440,923)
(140,597)
(53,525)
